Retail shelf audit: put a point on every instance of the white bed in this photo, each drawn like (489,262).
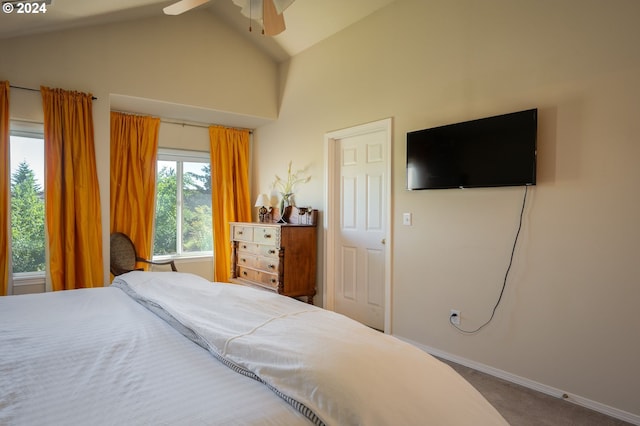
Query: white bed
(126,355)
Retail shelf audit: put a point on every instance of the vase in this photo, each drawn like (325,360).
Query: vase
(284,203)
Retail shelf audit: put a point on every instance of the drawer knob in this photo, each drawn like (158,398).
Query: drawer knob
(240,232)
(244,273)
(273,280)
(272,252)
(267,236)
(272,266)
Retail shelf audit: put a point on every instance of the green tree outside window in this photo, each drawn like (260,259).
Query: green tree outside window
(27,221)
(183,208)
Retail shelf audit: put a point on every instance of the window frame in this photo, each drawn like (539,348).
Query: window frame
(33,130)
(180,156)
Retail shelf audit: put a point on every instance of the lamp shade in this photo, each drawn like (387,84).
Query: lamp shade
(263,200)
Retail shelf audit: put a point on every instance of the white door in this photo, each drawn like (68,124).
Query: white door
(360,214)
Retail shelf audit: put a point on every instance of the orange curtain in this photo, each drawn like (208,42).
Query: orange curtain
(72,194)
(5,188)
(134,150)
(230,199)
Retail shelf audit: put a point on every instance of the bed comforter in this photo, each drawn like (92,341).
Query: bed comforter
(334,370)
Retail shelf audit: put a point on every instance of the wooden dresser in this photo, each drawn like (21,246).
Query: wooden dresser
(277,257)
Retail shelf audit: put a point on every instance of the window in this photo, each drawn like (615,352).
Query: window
(183,204)
(27,201)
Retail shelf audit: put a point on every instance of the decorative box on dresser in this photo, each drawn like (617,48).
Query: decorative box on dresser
(273,256)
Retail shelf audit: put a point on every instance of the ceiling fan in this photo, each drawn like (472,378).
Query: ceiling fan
(269,11)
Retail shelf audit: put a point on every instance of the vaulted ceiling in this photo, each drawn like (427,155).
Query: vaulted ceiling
(307,21)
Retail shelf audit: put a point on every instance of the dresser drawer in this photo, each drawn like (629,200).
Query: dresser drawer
(260,278)
(247,274)
(269,264)
(268,280)
(247,259)
(266,251)
(249,247)
(243,233)
(266,235)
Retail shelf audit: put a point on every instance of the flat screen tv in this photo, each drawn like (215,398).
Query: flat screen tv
(487,152)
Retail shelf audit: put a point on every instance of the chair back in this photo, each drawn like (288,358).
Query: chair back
(123,254)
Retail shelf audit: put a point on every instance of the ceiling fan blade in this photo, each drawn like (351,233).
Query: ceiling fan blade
(182,6)
(272,20)
(281,5)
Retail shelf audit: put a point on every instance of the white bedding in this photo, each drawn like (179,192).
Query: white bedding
(344,372)
(96,357)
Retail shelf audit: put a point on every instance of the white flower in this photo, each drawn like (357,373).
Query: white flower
(285,188)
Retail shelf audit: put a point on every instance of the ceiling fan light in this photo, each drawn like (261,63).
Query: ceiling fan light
(249,7)
(269,12)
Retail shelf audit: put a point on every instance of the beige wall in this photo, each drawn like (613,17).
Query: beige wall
(193,59)
(568,318)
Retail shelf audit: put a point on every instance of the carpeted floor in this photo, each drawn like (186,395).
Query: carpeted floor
(521,406)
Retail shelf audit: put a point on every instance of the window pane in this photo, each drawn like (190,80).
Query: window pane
(27,204)
(196,207)
(183,204)
(165,240)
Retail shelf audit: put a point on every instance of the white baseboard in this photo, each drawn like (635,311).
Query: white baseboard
(531,384)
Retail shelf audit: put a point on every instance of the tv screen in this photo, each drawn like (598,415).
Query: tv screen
(493,151)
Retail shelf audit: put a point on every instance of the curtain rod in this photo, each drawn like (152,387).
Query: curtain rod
(186,123)
(203,125)
(37,90)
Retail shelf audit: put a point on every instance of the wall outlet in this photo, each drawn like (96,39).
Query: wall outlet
(454,317)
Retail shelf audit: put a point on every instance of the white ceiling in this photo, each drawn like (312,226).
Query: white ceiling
(307,21)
